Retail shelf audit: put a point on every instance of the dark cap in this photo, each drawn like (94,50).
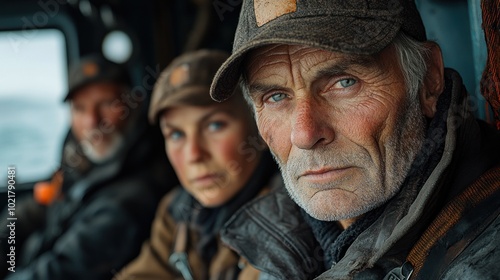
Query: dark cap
(351,26)
(186,81)
(93,69)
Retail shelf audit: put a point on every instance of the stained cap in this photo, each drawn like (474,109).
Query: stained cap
(351,26)
(186,81)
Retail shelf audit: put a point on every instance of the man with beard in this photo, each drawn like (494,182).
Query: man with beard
(388,172)
(111,178)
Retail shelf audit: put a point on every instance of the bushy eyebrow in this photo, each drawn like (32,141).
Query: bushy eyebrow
(338,68)
(341,66)
(258,87)
(164,125)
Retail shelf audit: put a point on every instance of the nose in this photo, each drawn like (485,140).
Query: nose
(194,149)
(310,126)
(91,118)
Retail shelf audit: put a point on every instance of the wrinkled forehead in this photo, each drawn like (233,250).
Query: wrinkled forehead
(279,55)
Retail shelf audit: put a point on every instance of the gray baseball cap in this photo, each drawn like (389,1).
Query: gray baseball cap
(351,26)
(186,81)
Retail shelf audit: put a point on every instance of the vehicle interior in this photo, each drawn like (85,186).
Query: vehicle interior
(39,39)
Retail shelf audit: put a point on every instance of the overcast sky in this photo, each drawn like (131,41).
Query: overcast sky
(34,63)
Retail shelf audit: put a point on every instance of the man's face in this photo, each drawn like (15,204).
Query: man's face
(341,127)
(98,119)
(204,145)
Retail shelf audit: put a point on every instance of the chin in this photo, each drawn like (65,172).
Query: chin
(210,203)
(101,152)
(330,209)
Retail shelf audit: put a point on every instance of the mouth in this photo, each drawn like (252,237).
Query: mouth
(103,139)
(325,175)
(207,180)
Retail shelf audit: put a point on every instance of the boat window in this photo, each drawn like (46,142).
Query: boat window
(33,117)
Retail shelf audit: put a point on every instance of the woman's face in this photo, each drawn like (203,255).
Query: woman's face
(208,148)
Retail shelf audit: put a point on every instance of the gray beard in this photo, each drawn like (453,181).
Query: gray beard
(117,142)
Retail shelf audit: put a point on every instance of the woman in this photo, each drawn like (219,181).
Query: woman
(221,164)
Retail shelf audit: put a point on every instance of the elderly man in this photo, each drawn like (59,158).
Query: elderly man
(390,174)
(112,179)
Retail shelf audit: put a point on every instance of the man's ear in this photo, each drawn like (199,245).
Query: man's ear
(433,84)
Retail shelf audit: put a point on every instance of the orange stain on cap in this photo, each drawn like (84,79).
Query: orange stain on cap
(90,69)
(267,10)
(179,76)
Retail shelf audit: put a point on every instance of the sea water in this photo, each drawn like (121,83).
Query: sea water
(31,136)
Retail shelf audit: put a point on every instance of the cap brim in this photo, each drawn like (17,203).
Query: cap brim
(352,35)
(193,96)
(94,80)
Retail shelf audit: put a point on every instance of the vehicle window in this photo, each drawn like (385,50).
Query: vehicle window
(33,117)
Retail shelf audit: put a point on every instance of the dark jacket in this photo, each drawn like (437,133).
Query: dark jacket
(205,261)
(274,236)
(103,215)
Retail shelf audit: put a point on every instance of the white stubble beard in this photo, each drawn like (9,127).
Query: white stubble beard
(404,143)
(114,145)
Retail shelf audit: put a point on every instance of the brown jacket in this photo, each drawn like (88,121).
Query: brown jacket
(152,263)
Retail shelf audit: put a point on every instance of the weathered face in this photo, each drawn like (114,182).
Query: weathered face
(98,118)
(206,146)
(341,127)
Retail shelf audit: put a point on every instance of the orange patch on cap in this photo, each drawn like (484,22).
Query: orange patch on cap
(90,69)
(267,10)
(179,75)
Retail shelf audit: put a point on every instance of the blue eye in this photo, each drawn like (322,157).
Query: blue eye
(216,126)
(175,135)
(347,82)
(277,97)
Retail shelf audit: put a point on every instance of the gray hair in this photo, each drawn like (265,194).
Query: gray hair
(412,56)
(245,91)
